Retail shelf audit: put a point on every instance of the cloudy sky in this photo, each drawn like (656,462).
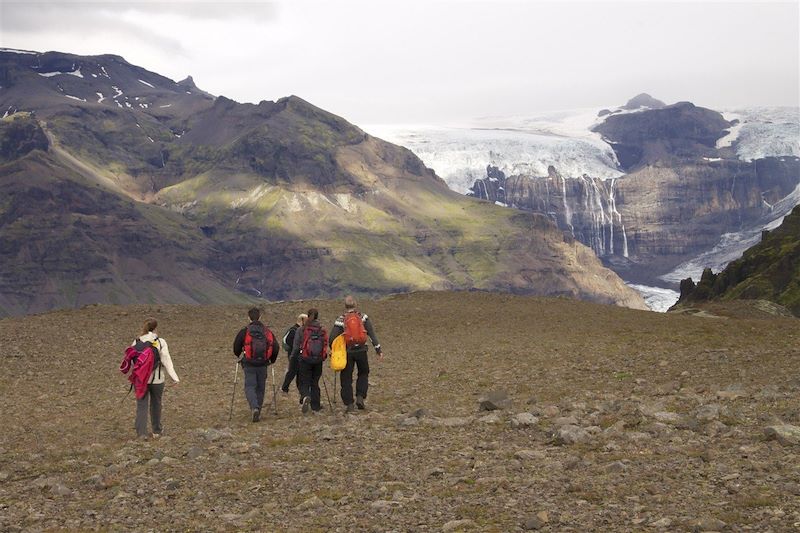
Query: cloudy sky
(431,61)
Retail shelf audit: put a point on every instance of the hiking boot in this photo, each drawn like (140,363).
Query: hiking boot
(350,408)
(306,403)
(285,390)
(360,402)
(256,415)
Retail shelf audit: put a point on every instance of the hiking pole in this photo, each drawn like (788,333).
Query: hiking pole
(325,384)
(235,377)
(274,391)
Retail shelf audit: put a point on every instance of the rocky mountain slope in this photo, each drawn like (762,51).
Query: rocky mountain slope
(173,195)
(606,419)
(768,271)
(684,188)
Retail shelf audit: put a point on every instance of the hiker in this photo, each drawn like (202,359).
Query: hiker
(288,344)
(256,348)
(155,382)
(355,327)
(311,349)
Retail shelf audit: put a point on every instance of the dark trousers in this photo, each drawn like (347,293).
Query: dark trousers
(254,380)
(309,374)
(358,359)
(152,399)
(291,374)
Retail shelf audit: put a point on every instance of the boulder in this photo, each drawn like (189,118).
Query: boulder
(523,420)
(785,434)
(571,434)
(494,401)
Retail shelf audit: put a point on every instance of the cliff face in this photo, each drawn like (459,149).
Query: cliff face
(120,185)
(680,194)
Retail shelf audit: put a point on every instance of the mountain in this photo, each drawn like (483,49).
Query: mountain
(122,185)
(770,271)
(685,193)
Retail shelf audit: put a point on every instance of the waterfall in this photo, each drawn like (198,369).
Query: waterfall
(612,207)
(567,212)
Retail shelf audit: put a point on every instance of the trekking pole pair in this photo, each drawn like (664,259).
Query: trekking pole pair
(233,394)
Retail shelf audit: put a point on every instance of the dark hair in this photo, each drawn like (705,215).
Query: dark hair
(254,313)
(149,325)
(313,314)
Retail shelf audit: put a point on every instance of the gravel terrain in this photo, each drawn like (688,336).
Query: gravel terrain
(489,413)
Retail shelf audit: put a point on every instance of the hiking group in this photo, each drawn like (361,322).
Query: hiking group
(306,343)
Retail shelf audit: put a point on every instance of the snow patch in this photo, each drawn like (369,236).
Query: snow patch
(103,69)
(712,159)
(75,98)
(118,90)
(100,98)
(501,204)
(163,106)
(148,84)
(76,73)
(15,51)
(150,139)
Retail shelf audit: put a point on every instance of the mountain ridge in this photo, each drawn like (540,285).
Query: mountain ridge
(280,199)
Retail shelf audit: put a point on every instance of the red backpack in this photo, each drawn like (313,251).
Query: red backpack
(354,332)
(258,344)
(315,344)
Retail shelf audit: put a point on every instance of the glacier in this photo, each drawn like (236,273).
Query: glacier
(461,153)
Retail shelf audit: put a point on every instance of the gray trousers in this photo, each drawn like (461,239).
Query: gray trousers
(255,378)
(153,398)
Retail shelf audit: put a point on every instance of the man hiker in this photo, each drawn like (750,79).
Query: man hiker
(311,349)
(288,344)
(355,327)
(256,348)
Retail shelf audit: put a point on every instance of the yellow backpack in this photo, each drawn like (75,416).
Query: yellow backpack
(338,354)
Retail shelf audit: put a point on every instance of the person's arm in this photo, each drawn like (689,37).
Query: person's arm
(238,343)
(374,338)
(166,360)
(336,330)
(276,347)
(298,341)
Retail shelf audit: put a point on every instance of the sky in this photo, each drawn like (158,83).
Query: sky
(439,62)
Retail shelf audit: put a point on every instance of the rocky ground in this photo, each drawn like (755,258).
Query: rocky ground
(489,413)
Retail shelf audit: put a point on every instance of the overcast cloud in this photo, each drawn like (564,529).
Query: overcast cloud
(437,62)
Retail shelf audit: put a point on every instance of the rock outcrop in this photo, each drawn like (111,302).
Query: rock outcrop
(768,271)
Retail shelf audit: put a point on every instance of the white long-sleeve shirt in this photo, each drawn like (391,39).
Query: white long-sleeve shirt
(166,361)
